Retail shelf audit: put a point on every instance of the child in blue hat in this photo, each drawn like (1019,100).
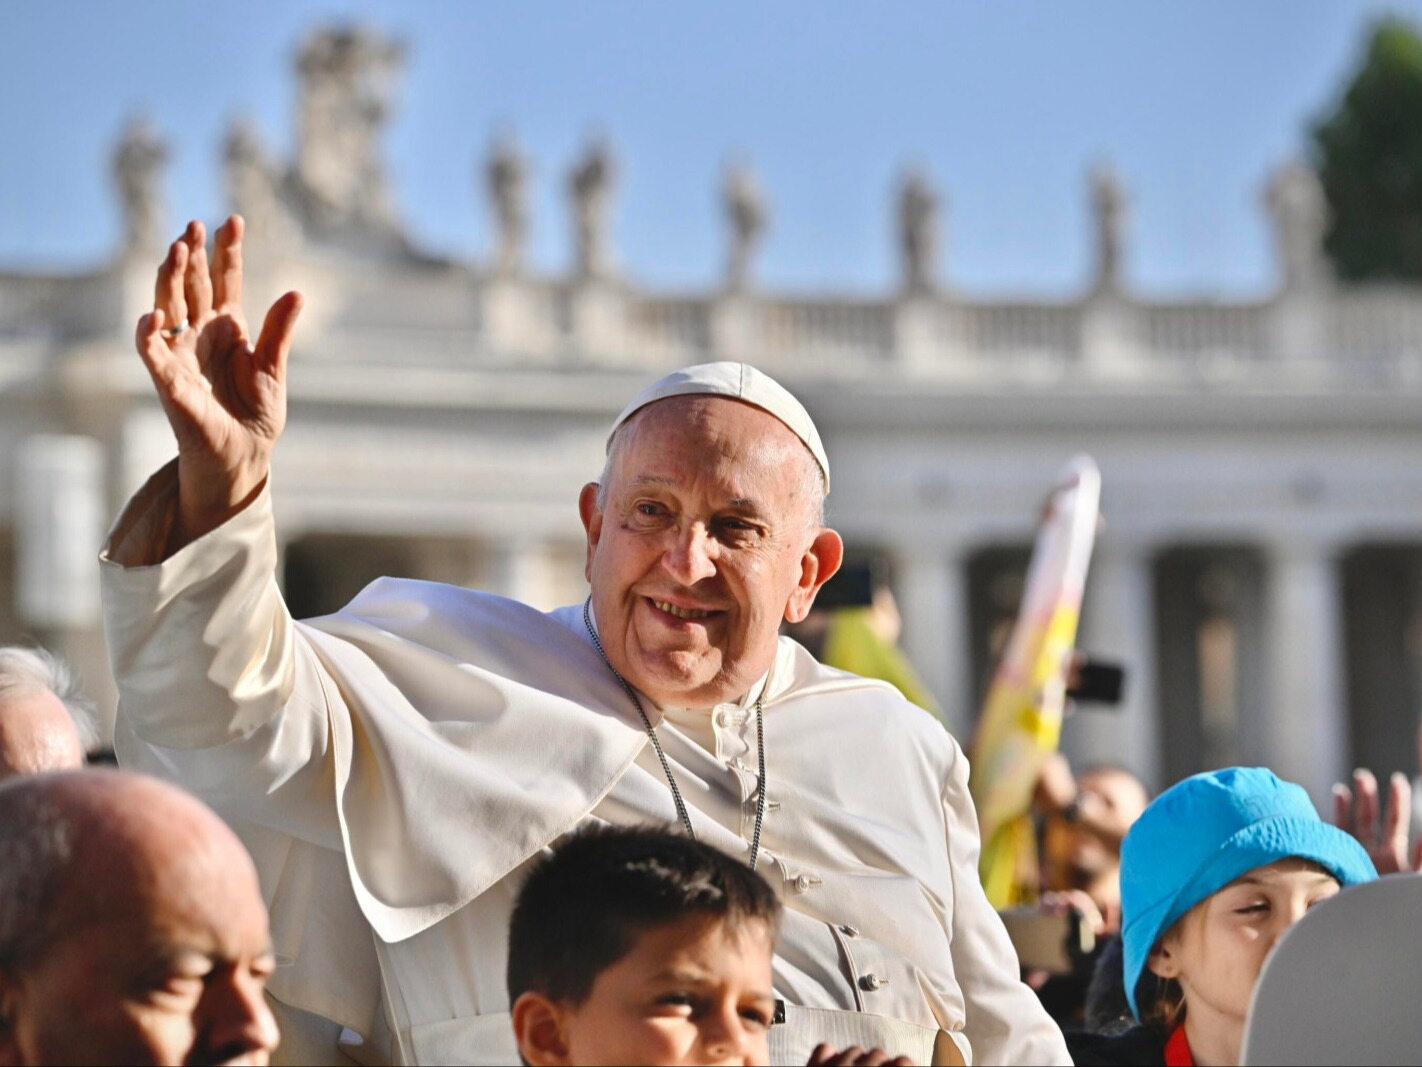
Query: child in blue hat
(1212,873)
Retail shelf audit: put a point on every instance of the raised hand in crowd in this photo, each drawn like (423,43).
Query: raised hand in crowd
(828,1055)
(224,396)
(1380,826)
(1066,901)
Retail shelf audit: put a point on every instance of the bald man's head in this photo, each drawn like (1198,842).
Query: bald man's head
(43,725)
(132,928)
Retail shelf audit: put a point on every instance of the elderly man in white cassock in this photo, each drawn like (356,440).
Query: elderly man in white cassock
(395,767)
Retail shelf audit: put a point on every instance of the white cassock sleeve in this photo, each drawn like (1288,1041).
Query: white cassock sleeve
(210,674)
(1006,1023)
(217,694)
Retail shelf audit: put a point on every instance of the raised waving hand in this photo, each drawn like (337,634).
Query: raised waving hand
(1379,824)
(224,396)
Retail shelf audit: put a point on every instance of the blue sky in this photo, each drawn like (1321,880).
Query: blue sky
(1006,104)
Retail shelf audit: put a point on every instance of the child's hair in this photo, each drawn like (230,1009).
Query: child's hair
(581,909)
(1161,1002)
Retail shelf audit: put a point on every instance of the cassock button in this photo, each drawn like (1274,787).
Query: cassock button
(805,882)
(872,982)
(849,931)
(732,716)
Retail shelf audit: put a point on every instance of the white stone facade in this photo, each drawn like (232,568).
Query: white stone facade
(444,414)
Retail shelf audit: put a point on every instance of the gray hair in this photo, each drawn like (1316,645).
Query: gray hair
(812,488)
(37,840)
(27,670)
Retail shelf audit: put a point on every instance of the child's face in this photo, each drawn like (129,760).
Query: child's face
(1218,947)
(693,991)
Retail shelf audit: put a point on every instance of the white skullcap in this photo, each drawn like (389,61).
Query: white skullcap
(742,382)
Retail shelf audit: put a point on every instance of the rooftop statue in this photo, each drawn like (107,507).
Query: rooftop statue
(1108,206)
(590,184)
(137,166)
(507,175)
(252,177)
(1299,212)
(746,213)
(918,233)
(346,91)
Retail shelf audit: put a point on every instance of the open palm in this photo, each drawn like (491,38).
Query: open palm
(1381,828)
(224,397)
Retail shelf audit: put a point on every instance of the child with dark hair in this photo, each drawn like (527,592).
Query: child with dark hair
(641,946)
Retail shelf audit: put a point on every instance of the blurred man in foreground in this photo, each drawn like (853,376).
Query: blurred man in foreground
(44,724)
(132,929)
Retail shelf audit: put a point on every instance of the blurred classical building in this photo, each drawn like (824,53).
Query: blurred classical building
(1261,567)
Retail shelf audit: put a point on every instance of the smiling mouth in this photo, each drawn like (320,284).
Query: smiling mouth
(680,612)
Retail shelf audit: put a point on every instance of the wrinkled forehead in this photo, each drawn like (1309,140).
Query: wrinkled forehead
(700,436)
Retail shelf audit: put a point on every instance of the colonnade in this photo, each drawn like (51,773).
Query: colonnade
(1298,722)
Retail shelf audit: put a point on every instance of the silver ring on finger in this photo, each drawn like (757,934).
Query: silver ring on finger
(174,331)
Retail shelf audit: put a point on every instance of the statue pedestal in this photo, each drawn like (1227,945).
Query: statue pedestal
(918,341)
(1297,330)
(1109,346)
(597,318)
(514,320)
(733,328)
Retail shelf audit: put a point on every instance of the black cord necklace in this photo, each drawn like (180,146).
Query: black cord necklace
(662,756)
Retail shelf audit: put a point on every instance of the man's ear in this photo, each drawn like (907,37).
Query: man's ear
(591,515)
(817,566)
(538,1025)
(1163,961)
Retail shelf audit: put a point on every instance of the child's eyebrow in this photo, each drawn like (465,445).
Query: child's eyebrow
(1253,879)
(696,976)
(682,974)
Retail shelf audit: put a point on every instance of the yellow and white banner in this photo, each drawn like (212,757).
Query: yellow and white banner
(1021,720)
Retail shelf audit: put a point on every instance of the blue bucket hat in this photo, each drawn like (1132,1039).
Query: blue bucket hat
(1203,833)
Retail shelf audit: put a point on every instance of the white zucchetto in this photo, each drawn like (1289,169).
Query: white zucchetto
(740,381)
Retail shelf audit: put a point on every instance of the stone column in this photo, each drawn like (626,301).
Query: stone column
(1305,725)
(59,524)
(933,602)
(1120,626)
